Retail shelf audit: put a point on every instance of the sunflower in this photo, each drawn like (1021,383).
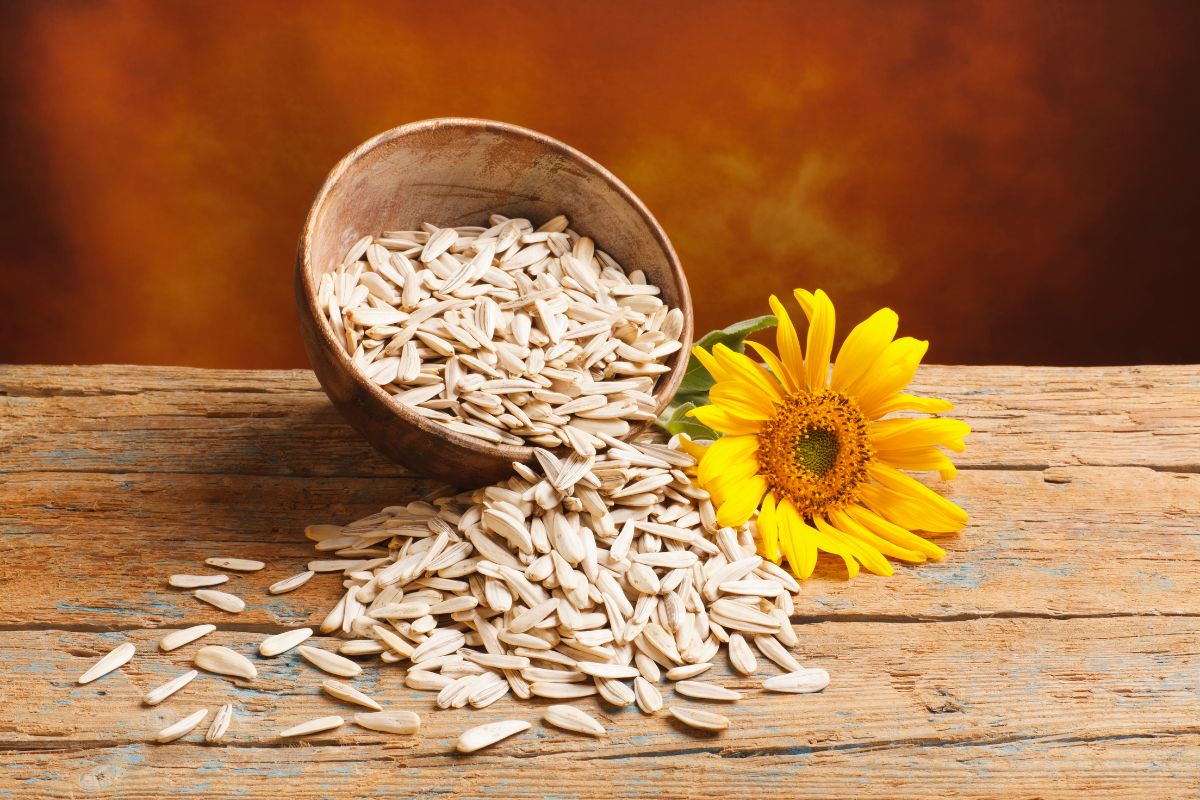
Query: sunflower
(810,450)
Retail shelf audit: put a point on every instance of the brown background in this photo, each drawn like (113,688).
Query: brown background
(1017,179)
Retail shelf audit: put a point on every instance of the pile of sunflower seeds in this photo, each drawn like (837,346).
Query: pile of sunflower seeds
(506,333)
(589,575)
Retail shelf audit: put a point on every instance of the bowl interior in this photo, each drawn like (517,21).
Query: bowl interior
(458,171)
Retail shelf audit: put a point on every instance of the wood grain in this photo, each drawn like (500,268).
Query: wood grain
(1053,653)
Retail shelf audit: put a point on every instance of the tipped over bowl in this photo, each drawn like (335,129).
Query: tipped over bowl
(456,172)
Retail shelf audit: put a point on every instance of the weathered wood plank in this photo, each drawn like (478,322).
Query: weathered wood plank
(95,550)
(1051,769)
(1084,532)
(961,696)
(167,419)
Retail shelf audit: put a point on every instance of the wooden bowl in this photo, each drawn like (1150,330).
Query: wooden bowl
(455,172)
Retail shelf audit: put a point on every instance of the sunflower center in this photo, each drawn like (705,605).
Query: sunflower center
(815,451)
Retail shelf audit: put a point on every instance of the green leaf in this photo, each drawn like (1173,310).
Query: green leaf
(696,380)
(693,389)
(675,420)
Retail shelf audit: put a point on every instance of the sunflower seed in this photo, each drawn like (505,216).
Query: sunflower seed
(160,693)
(482,736)
(344,691)
(312,726)
(803,681)
(330,662)
(196,581)
(222,600)
(649,699)
(236,564)
(176,639)
(770,647)
(614,691)
(288,584)
(282,642)
(701,720)
(181,728)
(389,721)
(491,316)
(602,670)
(529,589)
(118,657)
(706,691)
(741,656)
(571,718)
(220,724)
(561,691)
(687,671)
(425,681)
(223,661)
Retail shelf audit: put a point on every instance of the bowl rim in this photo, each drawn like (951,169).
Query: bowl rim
(663,392)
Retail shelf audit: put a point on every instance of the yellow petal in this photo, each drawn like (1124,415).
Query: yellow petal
(788,344)
(693,449)
(807,302)
(721,484)
(800,547)
(920,459)
(742,399)
(891,372)
(904,434)
(724,454)
(721,420)
(768,529)
(820,342)
(850,526)
(870,558)
(862,348)
(908,402)
(921,507)
(714,369)
(894,533)
(743,368)
(776,366)
(741,502)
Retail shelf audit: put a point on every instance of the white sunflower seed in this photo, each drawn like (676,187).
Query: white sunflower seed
(196,581)
(482,736)
(118,657)
(649,699)
(706,691)
(160,693)
(687,671)
(223,661)
(741,656)
(312,726)
(236,564)
(176,639)
(701,720)
(803,681)
(603,670)
(344,691)
(403,722)
(222,600)
(572,719)
(282,642)
(289,584)
(220,724)
(330,662)
(181,728)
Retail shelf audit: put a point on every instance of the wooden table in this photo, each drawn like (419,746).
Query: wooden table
(1053,653)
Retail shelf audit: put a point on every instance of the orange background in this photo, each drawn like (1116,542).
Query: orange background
(1017,179)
